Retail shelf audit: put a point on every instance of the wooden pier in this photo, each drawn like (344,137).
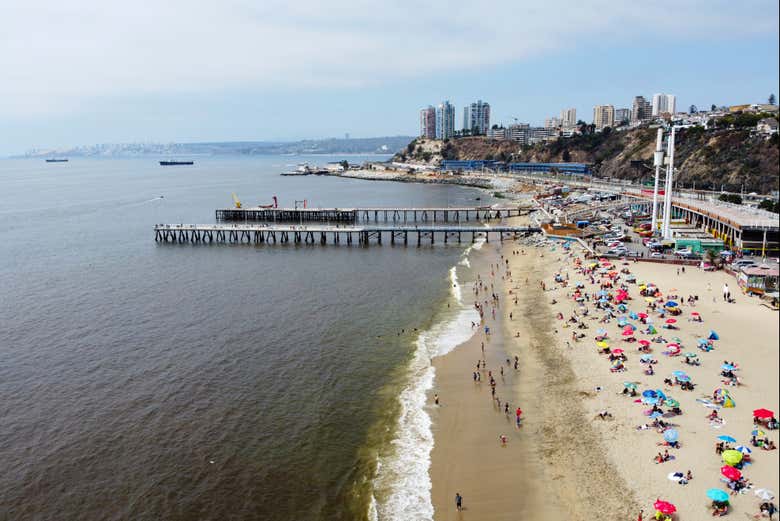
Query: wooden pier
(361,235)
(356,215)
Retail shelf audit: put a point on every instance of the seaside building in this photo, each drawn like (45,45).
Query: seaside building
(603,116)
(641,110)
(445,120)
(538,134)
(428,122)
(497,133)
(663,103)
(518,132)
(622,116)
(552,122)
(569,118)
(476,117)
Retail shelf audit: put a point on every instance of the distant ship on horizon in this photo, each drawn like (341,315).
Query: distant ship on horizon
(55,160)
(171,163)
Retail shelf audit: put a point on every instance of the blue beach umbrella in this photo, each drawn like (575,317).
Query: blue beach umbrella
(601,331)
(656,415)
(743,449)
(713,335)
(603,293)
(649,400)
(649,393)
(718,495)
(633,315)
(727,367)
(727,439)
(678,374)
(702,341)
(660,394)
(671,435)
(671,304)
(685,378)
(646,358)
(603,300)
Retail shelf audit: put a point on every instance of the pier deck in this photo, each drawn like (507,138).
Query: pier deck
(349,234)
(356,215)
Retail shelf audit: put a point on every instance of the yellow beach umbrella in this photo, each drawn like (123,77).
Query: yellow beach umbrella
(602,344)
(649,299)
(732,457)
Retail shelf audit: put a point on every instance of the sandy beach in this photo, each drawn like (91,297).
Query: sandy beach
(564,462)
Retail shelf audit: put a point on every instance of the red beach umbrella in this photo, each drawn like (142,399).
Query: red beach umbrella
(730,472)
(627,332)
(665,507)
(617,351)
(642,315)
(673,344)
(695,313)
(644,342)
(763,413)
(671,320)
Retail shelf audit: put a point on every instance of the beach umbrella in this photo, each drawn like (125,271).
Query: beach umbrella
(731,457)
(763,413)
(764,494)
(601,331)
(618,351)
(695,313)
(671,435)
(629,385)
(727,367)
(702,341)
(646,358)
(602,344)
(633,316)
(649,393)
(757,432)
(691,355)
(673,345)
(679,374)
(642,315)
(743,449)
(652,330)
(660,394)
(655,414)
(718,495)
(727,439)
(671,320)
(671,402)
(728,401)
(622,307)
(685,378)
(664,507)
(671,304)
(627,332)
(650,400)
(649,299)
(644,342)
(730,472)
(713,335)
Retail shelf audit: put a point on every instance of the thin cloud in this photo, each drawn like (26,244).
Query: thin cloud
(57,56)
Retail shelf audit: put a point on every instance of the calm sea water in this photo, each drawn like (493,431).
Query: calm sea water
(144,381)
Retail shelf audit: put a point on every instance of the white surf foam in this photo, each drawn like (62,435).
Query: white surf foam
(402,478)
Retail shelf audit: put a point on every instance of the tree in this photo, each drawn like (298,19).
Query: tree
(692,109)
(771,99)
(344,164)
(770,205)
(566,156)
(713,107)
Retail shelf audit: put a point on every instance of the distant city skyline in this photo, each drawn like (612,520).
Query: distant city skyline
(200,71)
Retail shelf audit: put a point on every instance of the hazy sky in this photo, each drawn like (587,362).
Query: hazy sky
(89,71)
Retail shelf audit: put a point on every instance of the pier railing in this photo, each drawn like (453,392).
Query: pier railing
(356,215)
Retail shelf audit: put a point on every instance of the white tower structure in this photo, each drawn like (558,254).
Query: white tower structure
(658,160)
(667,232)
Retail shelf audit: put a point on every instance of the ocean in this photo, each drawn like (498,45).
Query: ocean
(154,381)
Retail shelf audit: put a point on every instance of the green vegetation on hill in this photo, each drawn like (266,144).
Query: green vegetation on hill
(732,156)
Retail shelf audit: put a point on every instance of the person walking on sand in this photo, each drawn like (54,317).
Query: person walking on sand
(458,501)
(639,517)
(436,399)
(726,292)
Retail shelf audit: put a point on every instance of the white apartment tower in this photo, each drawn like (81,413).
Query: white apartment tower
(569,118)
(476,117)
(663,103)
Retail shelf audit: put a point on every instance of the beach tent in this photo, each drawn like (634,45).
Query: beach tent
(713,335)
(728,401)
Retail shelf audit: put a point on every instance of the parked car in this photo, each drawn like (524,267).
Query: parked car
(656,255)
(683,251)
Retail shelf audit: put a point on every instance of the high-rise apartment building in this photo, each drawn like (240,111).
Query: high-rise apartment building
(641,110)
(622,116)
(445,120)
(663,103)
(428,122)
(552,122)
(569,118)
(603,116)
(476,117)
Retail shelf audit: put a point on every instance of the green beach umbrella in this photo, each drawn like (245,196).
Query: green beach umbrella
(629,385)
(671,402)
(691,355)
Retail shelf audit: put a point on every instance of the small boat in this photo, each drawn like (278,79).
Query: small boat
(55,160)
(172,163)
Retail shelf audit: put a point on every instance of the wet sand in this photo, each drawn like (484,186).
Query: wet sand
(554,466)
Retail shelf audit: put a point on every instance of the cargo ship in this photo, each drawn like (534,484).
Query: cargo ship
(54,160)
(172,163)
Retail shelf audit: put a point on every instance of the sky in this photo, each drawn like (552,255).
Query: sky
(103,71)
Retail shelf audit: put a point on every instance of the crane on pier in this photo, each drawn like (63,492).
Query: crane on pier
(236,201)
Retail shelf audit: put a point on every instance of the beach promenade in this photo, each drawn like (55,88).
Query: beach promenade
(565,461)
